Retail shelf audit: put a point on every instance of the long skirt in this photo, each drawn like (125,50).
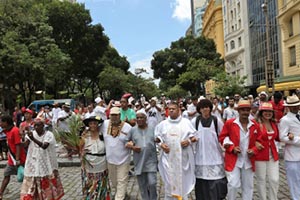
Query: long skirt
(95,186)
(42,188)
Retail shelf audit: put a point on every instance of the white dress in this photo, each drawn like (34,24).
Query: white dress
(41,162)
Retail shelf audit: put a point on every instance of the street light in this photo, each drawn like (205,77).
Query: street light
(269,71)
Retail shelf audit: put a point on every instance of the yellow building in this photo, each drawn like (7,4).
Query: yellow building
(213,24)
(289,23)
(213,29)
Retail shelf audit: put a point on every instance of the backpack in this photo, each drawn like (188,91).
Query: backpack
(215,119)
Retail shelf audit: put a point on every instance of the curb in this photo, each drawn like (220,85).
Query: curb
(62,162)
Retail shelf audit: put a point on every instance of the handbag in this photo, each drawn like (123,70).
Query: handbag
(20,174)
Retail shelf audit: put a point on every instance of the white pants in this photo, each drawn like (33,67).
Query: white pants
(237,178)
(293,178)
(118,174)
(264,169)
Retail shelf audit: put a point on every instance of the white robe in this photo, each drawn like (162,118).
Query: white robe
(177,167)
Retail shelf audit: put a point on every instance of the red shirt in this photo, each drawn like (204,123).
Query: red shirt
(278,110)
(13,139)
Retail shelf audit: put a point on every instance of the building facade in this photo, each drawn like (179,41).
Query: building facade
(289,23)
(258,40)
(236,39)
(213,24)
(212,28)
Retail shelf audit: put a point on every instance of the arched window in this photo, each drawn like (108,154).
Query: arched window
(232,44)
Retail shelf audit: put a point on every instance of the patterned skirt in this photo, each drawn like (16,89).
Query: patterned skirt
(95,186)
(42,188)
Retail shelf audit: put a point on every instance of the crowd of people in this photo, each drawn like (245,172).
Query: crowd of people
(213,146)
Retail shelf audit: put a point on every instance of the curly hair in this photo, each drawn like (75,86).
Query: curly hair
(203,104)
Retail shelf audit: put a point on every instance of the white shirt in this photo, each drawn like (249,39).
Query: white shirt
(116,152)
(243,160)
(154,117)
(230,113)
(217,113)
(100,111)
(290,124)
(191,109)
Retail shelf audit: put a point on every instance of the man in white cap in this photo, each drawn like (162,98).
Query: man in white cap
(115,133)
(100,109)
(263,97)
(289,127)
(142,142)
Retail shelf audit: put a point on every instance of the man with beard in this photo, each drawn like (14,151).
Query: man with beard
(230,112)
(239,137)
(115,133)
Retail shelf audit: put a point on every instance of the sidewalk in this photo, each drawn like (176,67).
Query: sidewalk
(62,160)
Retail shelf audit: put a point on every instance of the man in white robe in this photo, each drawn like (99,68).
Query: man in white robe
(176,164)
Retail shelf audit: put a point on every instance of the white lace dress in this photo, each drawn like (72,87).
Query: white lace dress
(41,162)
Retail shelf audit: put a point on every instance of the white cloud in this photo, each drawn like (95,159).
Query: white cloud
(143,63)
(182,10)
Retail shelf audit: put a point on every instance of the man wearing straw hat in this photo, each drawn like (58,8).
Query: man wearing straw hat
(289,131)
(239,136)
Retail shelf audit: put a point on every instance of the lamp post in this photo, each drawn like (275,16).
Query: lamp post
(269,70)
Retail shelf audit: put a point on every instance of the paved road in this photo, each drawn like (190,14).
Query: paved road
(72,185)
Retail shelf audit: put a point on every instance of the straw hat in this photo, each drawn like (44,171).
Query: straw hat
(292,101)
(244,104)
(266,106)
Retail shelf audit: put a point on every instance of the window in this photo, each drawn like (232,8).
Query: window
(231,14)
(239,7)
(292,56)
(240,41)
(226,47)
(291,31)
(232,45)
(240,23)
(232,28)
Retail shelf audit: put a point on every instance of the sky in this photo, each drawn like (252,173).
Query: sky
(138,28)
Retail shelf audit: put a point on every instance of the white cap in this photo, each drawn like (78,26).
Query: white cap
(98,100)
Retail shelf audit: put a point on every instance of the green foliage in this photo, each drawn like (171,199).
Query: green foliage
(176,92)
(188,62)
(234,84)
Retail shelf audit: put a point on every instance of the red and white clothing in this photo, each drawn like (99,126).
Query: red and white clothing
(13,139)
(240,168)
(267,164)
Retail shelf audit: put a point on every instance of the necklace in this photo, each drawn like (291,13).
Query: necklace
(114,130)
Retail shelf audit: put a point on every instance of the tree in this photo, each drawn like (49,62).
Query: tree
(198,71)
(234,84)
(27,50)
(183,56)
(84,42)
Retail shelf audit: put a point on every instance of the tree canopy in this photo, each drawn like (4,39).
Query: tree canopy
(188,62)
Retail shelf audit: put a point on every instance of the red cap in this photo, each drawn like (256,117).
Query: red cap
(28,111)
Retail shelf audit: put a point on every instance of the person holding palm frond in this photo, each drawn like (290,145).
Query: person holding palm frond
(95,183)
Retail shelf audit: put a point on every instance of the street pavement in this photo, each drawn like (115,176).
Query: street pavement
(70,175)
